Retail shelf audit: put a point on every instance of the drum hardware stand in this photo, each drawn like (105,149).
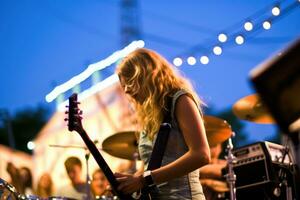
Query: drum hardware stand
(88,180)
(296,143)
(282,176)
(230,176)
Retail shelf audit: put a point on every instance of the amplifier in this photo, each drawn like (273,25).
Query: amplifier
(258,163)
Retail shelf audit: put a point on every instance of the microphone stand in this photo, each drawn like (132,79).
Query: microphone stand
(230,176)
(88,180)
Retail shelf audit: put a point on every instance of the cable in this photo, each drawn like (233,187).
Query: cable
(190,26)
(80,25)
(165,40)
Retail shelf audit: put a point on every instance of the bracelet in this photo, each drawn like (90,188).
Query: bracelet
(148,179)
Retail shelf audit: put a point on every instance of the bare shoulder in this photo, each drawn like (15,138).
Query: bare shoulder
(186,110)
(185,102)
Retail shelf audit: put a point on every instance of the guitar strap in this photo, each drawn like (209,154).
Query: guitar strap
(161,140)
(156,157)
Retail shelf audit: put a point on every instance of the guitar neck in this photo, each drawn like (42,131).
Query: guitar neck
(104,166)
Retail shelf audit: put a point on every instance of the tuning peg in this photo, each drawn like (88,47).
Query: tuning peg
(66,119)
(80,112)
(67,112)
(66,106)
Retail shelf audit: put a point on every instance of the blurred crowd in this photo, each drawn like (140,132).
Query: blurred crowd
(99,188)
(77,188)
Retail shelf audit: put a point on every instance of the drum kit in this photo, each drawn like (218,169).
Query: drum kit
(250,108)
(124,144)
(9,192)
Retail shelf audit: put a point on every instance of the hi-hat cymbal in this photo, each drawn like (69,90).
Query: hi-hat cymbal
(217,130)
(122,145)
(251,108)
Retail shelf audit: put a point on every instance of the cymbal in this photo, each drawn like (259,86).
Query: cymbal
(251,108)
(217,130)
(122,145)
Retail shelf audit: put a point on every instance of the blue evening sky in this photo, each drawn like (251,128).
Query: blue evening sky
(46,42)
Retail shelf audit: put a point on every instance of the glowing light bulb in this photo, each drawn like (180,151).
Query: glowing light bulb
(191,60)
(248,26)
(267,25)
(276,11)
(222,37)
(239,39)
(217,50)
(30,145)
(177,62)
(204,60)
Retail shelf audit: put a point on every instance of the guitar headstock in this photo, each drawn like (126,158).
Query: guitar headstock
(74,114)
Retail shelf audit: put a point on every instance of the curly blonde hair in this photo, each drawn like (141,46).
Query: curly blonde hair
(148,74)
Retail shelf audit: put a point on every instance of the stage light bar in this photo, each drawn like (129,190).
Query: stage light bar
(92,90)
(93,68)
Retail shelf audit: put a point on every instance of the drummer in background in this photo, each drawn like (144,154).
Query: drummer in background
(77,188)
(100,185)
(211,175)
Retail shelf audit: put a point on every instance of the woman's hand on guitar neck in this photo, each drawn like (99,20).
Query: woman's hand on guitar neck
(130,183)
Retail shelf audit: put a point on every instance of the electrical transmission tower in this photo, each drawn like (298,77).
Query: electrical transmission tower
(130,23)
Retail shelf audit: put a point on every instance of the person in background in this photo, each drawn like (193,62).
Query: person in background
(21,178)
(45,186)
(159,93)
(214,184)
(100,185)
(77,187)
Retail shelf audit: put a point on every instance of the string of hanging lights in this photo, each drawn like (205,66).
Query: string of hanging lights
(260,21)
